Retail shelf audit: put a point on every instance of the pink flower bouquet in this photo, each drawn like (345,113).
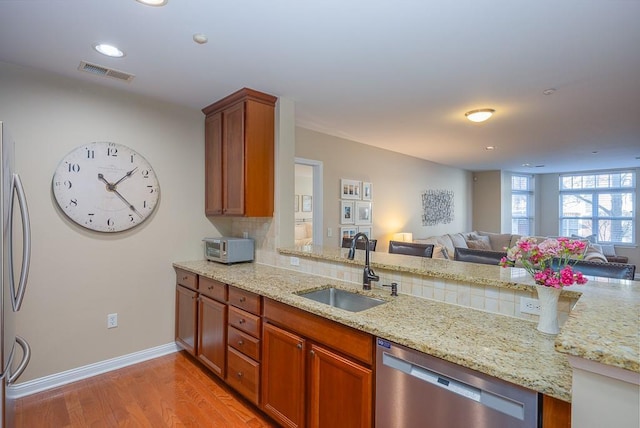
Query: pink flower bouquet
(549,262)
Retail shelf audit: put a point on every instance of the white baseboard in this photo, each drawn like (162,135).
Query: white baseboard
(73,375)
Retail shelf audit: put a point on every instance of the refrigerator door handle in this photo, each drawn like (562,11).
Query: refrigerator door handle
(16,297)
(26,356)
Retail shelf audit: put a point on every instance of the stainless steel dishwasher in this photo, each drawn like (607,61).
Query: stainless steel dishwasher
(415,390)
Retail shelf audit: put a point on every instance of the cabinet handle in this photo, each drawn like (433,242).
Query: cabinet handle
(243,299)
(299,345)
(242,321)
(240,342)
(239,374)
(312,352)
(210,287)
(184,278)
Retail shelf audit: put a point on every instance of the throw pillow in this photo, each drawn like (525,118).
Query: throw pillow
(479,244)
(609,250)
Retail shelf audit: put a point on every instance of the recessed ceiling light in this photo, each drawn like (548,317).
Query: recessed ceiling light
(526,165)
(153,2)
(595,152)
(549,91)
(490,148)
(479,115)
(108,50)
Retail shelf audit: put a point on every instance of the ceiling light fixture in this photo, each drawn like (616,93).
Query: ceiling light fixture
(549,91)
(490,148)
(108,50)
(200,38)
(153,2)
(479,115)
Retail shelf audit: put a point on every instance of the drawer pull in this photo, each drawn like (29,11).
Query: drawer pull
(240,342)
(239,374)
(312,352)
(241,321)
(299,345)
(210,287)
(184,278)
(243,299)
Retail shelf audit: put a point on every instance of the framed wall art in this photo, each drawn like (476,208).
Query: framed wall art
(367,188)
(366,230)
(363,212)
(347,214)
(306,203)
(350,189)
(348,232)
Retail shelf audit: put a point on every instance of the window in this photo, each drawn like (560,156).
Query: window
(599,205)
(522,204)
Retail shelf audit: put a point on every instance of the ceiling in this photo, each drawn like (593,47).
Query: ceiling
(396,74)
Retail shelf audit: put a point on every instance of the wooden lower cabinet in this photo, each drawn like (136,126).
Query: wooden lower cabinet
(212,326)
(283,376)
(306,384)
(186,318)
(340,391)
(555,413)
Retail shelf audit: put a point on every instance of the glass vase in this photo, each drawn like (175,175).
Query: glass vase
(548,299)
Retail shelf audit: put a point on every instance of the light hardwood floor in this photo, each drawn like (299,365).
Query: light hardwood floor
(170,391)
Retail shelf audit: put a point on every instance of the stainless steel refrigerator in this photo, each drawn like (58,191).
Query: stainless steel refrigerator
(13,284)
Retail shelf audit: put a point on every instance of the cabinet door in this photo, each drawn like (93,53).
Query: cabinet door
(212,324)
(283,376)
(233,159)
(341,391)
(186,321)
(213,165)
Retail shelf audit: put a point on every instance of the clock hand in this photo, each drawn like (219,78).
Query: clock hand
(131,207)
(112,188)
(127,175)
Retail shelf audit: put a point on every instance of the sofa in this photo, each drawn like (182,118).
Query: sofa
(445,245)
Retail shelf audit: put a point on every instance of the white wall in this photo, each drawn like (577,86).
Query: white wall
(78,276)
(398,182)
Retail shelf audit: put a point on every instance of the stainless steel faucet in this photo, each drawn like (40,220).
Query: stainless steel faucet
(368,275)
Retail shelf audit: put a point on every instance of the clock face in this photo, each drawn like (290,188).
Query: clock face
(106,187)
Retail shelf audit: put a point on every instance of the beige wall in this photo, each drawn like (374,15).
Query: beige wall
(487,201)
(398,182)
(77,276)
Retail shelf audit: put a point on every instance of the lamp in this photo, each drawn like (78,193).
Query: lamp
(479,115)
(403,237)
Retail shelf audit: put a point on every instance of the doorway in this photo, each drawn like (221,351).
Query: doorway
(308,202)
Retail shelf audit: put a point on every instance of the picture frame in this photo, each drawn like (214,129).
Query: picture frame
(347,212)
(307,203)
(350,189)
(363,213)
(348,232)
(296,203)
(367,230)
(367,189)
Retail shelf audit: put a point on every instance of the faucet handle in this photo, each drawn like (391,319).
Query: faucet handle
(394,288)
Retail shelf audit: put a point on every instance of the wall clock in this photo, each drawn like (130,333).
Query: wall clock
(106,187)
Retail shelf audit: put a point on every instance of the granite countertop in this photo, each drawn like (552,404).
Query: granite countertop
(504,347)
(603,326)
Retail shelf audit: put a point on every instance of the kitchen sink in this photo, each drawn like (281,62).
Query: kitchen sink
(352,302)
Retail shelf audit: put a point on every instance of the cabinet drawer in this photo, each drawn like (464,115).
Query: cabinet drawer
(187,279)
(244,343)
(246,300)
(244,321)
(243,374)
(212,288)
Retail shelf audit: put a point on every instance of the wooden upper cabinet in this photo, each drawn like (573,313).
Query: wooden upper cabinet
(239,155)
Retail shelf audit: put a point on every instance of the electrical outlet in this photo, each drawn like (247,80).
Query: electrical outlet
(329,232)
(112,320)
(529,306)
(294,261)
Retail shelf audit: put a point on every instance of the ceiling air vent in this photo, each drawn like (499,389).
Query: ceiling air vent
(104,71)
